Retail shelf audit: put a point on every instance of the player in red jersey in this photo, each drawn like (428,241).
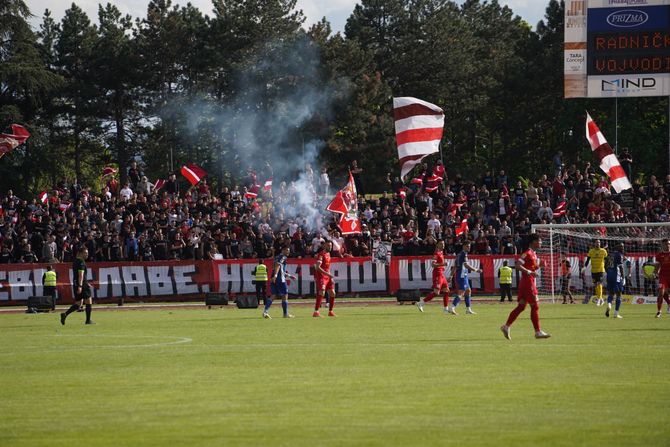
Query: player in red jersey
(439,281)
(324,280)
(527,264)
(663,272)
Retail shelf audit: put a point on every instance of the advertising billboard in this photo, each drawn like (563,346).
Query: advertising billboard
(617,48)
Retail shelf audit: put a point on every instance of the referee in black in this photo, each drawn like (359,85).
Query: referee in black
(82,289)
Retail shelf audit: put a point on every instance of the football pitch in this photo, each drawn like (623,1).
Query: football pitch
(377,375)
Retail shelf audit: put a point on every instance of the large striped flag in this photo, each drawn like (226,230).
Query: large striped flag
(606,158)
(418,130)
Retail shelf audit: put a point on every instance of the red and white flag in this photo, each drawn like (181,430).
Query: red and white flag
(109,170)
(418,180)
(10,141)
(267,186)
(402,193)
(159,184)
(252,192)
(345,203)
(454,208)
(418,130)
(44,197)
(433,183)
(64,206)
(193,173)
(561,209)
(609,163)
(463,227)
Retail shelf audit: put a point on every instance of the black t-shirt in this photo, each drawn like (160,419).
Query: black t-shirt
(77,266)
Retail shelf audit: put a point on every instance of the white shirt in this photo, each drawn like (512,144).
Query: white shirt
(435,225)
(126,193)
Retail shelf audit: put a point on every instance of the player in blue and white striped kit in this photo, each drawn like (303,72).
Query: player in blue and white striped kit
(279,284)
(614,265)
(462,268)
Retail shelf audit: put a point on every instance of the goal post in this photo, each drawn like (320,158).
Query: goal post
(565,247)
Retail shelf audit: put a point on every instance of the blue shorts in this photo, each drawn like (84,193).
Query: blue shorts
(462,283)
(279,288)
(614,287)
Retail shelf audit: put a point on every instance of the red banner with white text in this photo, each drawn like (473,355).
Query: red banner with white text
(162,281)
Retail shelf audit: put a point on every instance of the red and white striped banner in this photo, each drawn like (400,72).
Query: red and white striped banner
(609,163)
(193,173)
(418,130)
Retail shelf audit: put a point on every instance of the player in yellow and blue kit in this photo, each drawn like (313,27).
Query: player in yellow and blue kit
(596,256)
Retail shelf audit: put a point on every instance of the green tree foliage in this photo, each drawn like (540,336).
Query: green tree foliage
(250,83)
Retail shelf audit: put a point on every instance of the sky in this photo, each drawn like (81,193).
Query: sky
(336,11)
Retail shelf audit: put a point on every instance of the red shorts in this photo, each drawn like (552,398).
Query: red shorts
(440,282)
(324,283)
(527,292)
(664,282)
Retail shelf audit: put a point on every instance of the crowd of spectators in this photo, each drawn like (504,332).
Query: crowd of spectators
(137,222)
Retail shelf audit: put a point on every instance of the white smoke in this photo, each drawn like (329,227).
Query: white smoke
(280,92)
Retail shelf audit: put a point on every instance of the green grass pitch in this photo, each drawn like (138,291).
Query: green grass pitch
(377,375)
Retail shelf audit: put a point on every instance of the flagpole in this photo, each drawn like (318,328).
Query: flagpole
(616,125)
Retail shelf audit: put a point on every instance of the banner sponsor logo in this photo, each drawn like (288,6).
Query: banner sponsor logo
(627,18)
(644,300)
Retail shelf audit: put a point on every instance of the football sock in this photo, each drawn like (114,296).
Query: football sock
(610,298)
(467,301)
(317,306)
(618,304)
(429,297)
(445,299)
(515,313)
(88,312)
(284,306)
(331,303)
(268,303)
(535,316)
(72,308)
(599,291)
(659,302)
(666,297)
(456,301)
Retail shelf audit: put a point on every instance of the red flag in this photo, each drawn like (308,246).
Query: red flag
(64,206)
(609,163)
(463,228)
(10,141)
(454,208)
(159,184)
(44,197)
(561,209)
(193,173)
(252,192)
(418,130)
(345,203)
(1,211)
(268,185)
(109,170)
(337,204)
(439,171)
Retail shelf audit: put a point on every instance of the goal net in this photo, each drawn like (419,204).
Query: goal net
(565,247)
